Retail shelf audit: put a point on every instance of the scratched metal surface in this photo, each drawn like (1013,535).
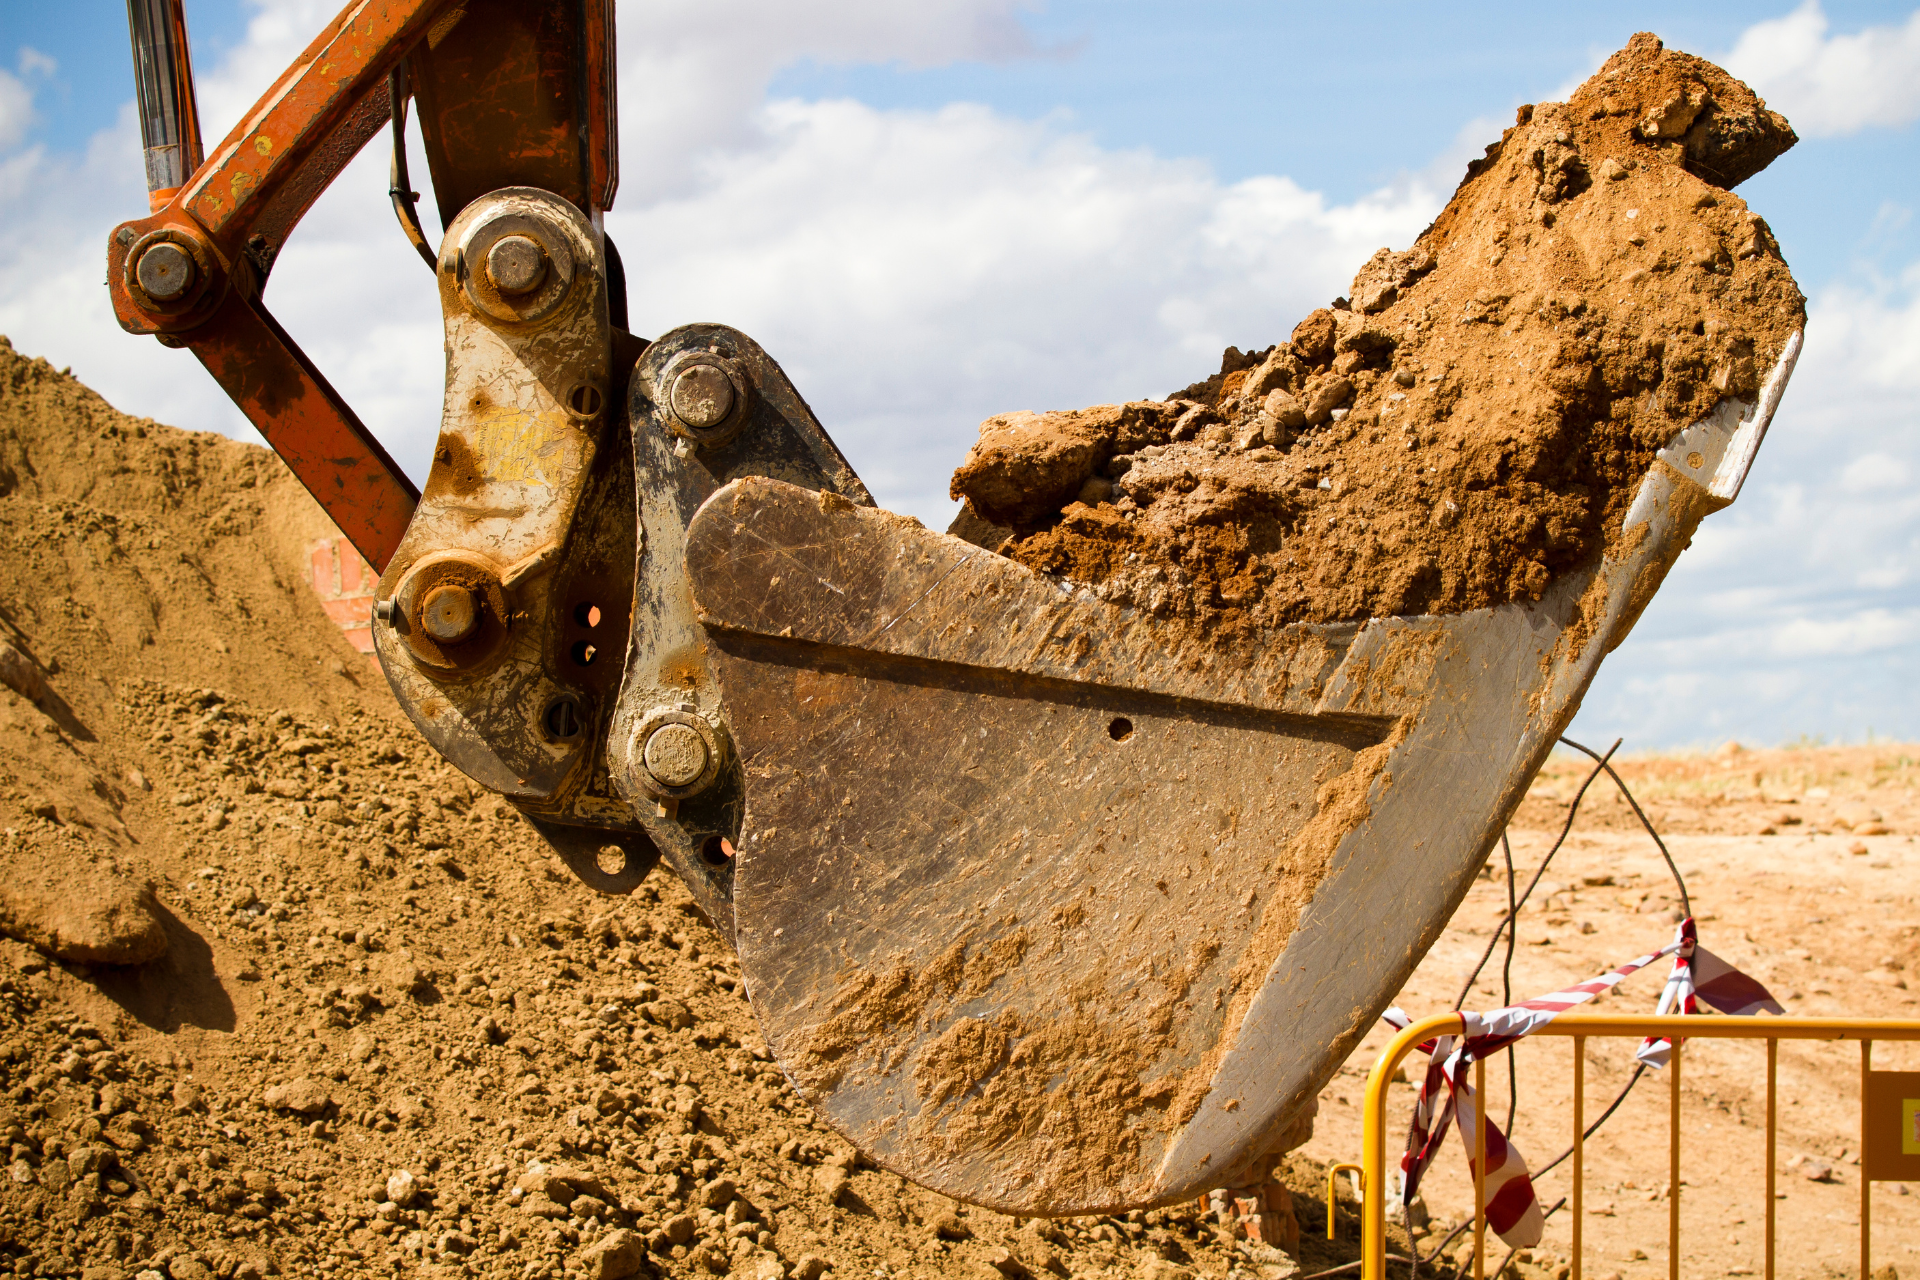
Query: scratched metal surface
(509,472)
(995,941)
(666,658)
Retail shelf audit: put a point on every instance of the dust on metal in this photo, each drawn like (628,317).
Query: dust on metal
(165,272)
(516,264)
(676,755)
(449,613)
(703,396)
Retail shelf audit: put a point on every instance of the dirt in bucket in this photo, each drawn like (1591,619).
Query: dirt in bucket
(1473,420)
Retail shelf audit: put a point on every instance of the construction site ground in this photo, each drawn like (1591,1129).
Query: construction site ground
(390,1035)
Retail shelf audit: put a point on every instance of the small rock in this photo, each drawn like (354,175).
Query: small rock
(583,1182)
(718,1194)
(81,913)
(1285,410)
(542,1181)
(189,1267)
(541,1206)
(615,1256)
(402,1188)
(811,1267)
(678,1229)
(304,1096)
(670,1014)
(948,1226)
(1814,1169)
(1095,490)
(1007,1265)
(1333,394)
(85,1160)
(187,1096)
(831,1180)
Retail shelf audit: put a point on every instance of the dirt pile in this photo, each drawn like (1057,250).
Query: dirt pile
(1474,419)
(387,1034)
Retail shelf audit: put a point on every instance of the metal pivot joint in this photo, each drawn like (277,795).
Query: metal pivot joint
(706,406)
(706,398)
(676,753)
(516,570)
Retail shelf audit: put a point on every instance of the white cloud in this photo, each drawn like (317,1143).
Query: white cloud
(1868,631)
(16,95)
(915,271)
(1829,84)
(16,110)
(1793,612)
(1875,470)
(35,63)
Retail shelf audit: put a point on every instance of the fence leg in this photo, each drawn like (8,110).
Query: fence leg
(1579,1142)
(1773,1075)
(1480,1171)
(1673,1167)
(1866,1187)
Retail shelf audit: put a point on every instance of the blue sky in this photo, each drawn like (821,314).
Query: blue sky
(935,212)
(1343,99)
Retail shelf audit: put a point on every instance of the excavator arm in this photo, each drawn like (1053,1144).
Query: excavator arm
(1045,902)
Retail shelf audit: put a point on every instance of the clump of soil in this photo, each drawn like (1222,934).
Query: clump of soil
(1474,420)
(387,1033)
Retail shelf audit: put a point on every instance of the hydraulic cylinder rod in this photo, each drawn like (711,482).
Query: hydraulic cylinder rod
(163,81)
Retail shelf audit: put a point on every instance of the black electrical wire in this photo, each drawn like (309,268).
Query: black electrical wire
(1686,906)
(1506,982)
(1510,927)
(1573,810)
(399,186)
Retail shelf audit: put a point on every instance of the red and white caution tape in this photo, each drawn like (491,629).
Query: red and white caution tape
(1701,977)
(1513,1211)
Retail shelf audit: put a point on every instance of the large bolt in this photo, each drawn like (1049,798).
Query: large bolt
(516,264)
(676,755)
(449,614)
(165,272)
(703,396)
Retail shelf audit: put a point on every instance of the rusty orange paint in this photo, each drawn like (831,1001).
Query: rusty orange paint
(348,60)
(309,426)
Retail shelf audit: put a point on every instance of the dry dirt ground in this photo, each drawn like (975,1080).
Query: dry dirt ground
(1800,867)
(388,1034)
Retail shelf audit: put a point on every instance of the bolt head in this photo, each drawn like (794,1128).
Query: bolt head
(165,272)
(450,613)
(516,264)
(703,396)
(676,755)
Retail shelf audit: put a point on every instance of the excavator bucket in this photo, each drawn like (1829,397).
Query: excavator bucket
(1054,909)
(1051,899)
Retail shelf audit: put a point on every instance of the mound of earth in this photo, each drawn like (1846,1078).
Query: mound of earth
(283,994)
(1474,420)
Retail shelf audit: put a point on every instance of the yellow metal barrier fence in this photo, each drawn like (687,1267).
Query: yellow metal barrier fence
(1883,1143)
